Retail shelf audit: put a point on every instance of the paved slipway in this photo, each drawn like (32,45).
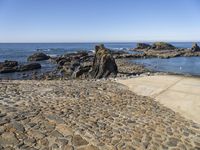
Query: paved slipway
(88,115)
(180,93)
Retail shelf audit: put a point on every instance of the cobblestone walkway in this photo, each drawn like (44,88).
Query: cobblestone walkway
(88,115)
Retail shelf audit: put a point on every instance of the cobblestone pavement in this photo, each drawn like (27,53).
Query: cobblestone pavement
(88,115)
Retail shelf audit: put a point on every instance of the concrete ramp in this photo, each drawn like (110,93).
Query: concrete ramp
(181,94)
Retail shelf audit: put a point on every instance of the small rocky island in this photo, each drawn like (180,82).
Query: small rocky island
(161,50)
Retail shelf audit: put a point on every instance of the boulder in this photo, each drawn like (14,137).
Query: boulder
(195,47)
(103,64)
(38,57)
(162,46)
(28,67)
(8,66)
(143,46)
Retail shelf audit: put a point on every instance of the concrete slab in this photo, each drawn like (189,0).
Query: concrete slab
(181,94)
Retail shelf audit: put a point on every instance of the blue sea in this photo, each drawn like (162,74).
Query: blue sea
(20,52)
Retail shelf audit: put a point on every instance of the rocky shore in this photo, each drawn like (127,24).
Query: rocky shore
(88,115)
(103,63)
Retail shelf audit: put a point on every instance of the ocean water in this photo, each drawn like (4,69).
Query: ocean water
(180,65)
(20,51)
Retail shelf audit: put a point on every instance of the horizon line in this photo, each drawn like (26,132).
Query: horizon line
(136,41)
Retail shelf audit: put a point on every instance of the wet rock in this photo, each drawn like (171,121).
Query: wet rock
(195,47)
(104,64)
(28,67)
(143,46)
(38,57)
(162,46)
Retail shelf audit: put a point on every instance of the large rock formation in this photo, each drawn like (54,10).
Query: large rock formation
(143,46)
(104,64)
(38,57)
(162,46)
(195,47)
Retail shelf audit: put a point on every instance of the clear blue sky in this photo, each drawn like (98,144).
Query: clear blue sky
(99,20)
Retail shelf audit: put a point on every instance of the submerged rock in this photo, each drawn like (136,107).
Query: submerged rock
(103,64)
(143,46)
(28,67)
(195,47)
(162,46)
(38,57)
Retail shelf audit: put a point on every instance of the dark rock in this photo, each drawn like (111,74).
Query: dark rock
(104,64)
(8,66)
(28,67)
(120,52)
(8,63)
(81,70)
(143,46)
(62,61)
(38,57)
(75,69)
(8,69)
(76,55)
(195,47)
(162,46)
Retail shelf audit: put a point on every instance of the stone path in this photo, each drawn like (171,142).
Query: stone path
(181,94)
(88,115)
